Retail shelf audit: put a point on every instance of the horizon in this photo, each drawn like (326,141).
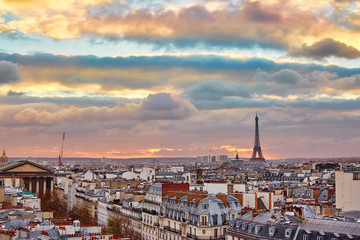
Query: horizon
(128,79)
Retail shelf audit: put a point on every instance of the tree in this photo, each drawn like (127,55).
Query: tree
(52,202)
(81,213)
(122,227)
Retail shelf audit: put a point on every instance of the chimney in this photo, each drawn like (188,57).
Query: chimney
(199,175)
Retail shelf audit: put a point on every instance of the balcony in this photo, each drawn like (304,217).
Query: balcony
(153,212)
(172,230)
(205,238)
(152,202)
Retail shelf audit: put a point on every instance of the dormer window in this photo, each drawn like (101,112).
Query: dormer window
(251,226)
(306,237)
(205,206)
(238,224)
(257,229)
(272,231)
(233,223)
(288,232)
(244,226)
(319,238)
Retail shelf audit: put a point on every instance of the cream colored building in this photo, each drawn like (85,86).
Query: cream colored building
(347,186)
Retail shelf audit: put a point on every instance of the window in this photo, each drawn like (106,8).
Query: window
(288,232)
(251,227)
(223,218)
(203,220)
(244,226)
(215,233)
(238,224)
(205,206)
(319,238)
(215,220)
(272,231)
(257,229)
(306,237)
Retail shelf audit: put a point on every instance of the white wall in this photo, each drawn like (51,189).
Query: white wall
(215,188)
(347,191)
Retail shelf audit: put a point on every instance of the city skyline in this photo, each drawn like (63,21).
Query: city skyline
(177,79)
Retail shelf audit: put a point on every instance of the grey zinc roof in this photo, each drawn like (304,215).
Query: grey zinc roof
(15,223)
(326,225)
(53,234)
(247,216)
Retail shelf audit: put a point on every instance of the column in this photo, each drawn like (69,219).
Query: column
(37,186)
(30,185)
(51,186)
(44,189)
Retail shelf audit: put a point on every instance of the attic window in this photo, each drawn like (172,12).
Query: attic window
(251,226)
(233,223)
(272,231)
(306,237)
(288,232)
(257,229)
(238,224)
(205,206)
(244,226)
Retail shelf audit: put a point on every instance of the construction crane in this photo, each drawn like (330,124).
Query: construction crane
(62,148)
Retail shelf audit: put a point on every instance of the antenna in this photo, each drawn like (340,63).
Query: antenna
(62,148)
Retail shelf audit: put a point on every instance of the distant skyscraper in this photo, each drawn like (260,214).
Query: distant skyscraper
(257,147)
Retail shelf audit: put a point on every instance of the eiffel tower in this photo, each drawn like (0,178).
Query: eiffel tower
(257,147)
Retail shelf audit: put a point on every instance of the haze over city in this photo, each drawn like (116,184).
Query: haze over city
(179,78)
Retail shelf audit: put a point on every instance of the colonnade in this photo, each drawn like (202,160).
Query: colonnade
(39,185)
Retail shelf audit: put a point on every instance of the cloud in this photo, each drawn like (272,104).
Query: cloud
(287,77)
(19,98)
(348,83)
(14,93)
(32,116)
(161,106)
(209,63)
(247,24)
(165,106)
(326,48)
(215,90)
(255,12)
(9,72)
(159,102)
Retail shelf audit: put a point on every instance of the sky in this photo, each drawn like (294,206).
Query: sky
(166,78)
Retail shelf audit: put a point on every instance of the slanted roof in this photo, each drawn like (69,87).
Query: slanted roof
(12,166)
(9,165)
(340,227)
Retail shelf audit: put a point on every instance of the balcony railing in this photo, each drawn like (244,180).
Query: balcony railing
(153,212)
(172,229)
(205,238)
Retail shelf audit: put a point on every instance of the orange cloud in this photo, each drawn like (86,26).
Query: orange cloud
(270,23)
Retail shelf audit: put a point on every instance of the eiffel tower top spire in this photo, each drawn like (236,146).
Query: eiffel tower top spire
(257,147)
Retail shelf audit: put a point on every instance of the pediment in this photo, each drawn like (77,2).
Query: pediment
(27,168)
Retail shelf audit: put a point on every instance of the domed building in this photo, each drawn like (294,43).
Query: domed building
(3,159)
